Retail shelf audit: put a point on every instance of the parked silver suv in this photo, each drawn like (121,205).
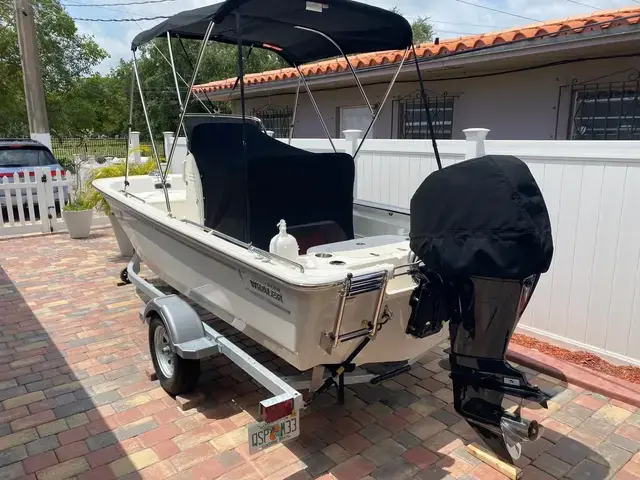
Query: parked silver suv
(22,156)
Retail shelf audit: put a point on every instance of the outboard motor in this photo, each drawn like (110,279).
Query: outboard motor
(482,232)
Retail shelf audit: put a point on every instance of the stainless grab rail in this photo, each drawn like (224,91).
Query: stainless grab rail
(410,269)
(277,258)
(127,194)
(247,246)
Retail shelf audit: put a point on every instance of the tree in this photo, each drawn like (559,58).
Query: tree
(93,104)
(66,56)
(219,62)
(422,29)
(82,102)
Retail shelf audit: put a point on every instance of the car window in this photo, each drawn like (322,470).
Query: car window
(25,157)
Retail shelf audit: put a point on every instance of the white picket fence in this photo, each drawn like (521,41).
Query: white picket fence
(31,203)
(590,299)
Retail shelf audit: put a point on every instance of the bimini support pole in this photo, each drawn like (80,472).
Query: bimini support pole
(333,42)
(384,101)
(183,108)
(315,106)
(180,76)
(126,161)
(237,82)
(243,107)
(153,142)
(292,127)
(425,101)
(173,69)
(175,77)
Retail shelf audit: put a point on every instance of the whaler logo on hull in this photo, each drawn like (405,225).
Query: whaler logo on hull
(266,289)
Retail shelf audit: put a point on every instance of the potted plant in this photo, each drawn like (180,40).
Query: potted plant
(78,211)
(96,198)
(78,215)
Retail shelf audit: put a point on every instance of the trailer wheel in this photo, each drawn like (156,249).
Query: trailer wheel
(176,374)
(124,276)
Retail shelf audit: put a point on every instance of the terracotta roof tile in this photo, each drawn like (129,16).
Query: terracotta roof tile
(570,26)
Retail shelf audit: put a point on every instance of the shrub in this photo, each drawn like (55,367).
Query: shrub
(80,202)
(145,150)
(113,171)
(67,164)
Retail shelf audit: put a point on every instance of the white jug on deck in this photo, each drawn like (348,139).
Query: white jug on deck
(283,244)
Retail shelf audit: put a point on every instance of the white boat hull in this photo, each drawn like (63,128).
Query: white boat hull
(287,318)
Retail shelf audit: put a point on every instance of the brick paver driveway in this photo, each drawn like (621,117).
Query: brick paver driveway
(75,401)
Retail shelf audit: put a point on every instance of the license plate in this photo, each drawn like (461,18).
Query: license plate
(263,435)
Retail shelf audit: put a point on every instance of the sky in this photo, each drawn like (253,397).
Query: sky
(450,18)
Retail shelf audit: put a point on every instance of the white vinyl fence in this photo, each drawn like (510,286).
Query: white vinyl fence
(590,299)
(31,203)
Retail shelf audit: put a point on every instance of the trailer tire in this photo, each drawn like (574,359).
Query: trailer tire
(176,375)
(124,276)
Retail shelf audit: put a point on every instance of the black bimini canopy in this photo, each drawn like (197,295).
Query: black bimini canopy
(275,25)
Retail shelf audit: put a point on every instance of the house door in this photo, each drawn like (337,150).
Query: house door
(354,118)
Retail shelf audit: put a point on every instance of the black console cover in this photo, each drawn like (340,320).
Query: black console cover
(251,181)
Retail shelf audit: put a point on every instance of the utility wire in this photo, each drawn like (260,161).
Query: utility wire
(117,20)
(584,5)
(106,8)
(467,24)
(429,20)
(140,2)
(498,11)
(455,32)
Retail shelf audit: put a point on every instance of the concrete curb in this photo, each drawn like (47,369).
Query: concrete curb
(597,382)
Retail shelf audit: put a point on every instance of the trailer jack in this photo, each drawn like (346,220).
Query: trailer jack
(337,373)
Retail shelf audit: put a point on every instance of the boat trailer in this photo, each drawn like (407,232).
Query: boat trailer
(180,336)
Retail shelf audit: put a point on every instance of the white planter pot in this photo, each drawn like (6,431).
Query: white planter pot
(78,223)
(126,249)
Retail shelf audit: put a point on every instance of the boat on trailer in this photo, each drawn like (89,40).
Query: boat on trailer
(269,238)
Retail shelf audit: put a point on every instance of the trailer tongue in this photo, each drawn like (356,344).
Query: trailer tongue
(482,231)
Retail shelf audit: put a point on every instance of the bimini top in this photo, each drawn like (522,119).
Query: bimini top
(279,26)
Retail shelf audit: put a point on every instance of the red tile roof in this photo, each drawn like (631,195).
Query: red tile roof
(601,20)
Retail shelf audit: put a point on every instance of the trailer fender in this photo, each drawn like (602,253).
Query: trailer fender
(188,337)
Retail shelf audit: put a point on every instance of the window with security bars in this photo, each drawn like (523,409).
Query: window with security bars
(277,119)
(413,117)
(606,112)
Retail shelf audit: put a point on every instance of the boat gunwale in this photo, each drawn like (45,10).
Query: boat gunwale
(210,250)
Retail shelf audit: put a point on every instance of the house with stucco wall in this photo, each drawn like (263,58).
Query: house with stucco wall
(575,78)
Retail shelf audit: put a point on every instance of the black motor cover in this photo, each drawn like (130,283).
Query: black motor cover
(483,229)
(483,217)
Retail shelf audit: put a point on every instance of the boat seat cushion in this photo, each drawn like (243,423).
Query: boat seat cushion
(314,234)
(248,191)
